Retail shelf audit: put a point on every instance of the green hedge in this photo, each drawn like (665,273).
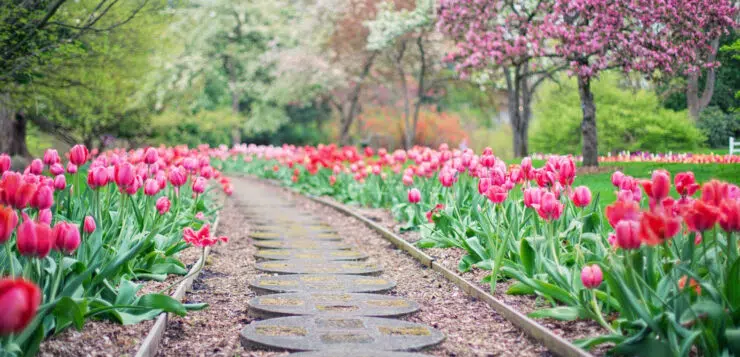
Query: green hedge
(626,119)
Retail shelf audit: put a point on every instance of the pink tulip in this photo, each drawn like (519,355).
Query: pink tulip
(89,225)
(45,216)
(71,168)
(497,194)
(20,300)
(591,276)
(628,234)
(617,178)
(97,177)
(36,167)
(163,205)
(4,163)
(51,157)
(124,175)
(581,196)
(532,196)
(151,156)
(199,185)
(43,198)
(56,169)
(550,207)
(66,237)
(178,176)
(151,187)
(414,195)
(34,239)
(60,182)
(407,180)
(79,155)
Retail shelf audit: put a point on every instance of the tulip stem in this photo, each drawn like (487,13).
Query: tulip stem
(57,277)
(202,262)
(597,314)
(553,248)
(11,261)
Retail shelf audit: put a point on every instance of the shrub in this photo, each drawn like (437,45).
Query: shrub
(718,126)
(384,127)
(626,120)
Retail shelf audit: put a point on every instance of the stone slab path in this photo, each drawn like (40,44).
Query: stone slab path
(329,316)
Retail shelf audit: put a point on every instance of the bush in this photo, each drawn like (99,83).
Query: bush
(384,127)
(718,126)
(626,120)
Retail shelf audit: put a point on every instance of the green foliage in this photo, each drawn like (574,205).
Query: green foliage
(211,127)
(718,126)
(627,120)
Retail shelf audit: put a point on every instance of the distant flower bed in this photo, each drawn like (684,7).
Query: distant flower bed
(640,156)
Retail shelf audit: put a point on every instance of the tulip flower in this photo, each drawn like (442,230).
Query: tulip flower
(8,222)
(178,176)
(658,187)
(591,276)
(700,216)
(567,171)
(4,163)
(714,191)
(134,186)
(581,196)
(622,210)
(332,180)
(497,194)
(627,234)
(36,167)
(163,205)
(202,238)
(20,300)
(89,225)
(71,168)
(414,195)
(45,216)
(97,177)
(34,239)
(656,228)
(51,157)
(686,183)
(199,185)
(66,237)
(78,155)
(526,168)
(729,218)
(151,156)
(43,198)
(550,207)
(532,196)
(407,180)
(124,175)
(151,187)
(483,184)
(60,182)
(56,169)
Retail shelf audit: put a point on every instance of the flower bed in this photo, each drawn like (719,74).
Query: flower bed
(78,239)
(652,270)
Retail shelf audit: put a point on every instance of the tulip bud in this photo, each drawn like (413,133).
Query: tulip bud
(163,205)
(56,169)
(60,182)
(8,222)
(71,168)
(78,155)
(51,157)
(33,239)
(199,185)
(36,167)
(4,163)
(151,156)
(151,187)
(617,178)
(89,225)
(20,300)
(414,195)
(66,237)
(591,276)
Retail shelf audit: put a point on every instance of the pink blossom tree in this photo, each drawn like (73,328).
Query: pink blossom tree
(589,36)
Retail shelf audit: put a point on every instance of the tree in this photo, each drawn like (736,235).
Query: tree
(505,34)
(639,36)
(36,37)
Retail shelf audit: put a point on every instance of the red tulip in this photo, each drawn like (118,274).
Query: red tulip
(66,237)
(8,221)
(43,198)
(97,177)
(497,194)
(34,239)
(700,216)
(549,208)
(199,185)
(332,180)
(581,196)
(4,163)
(51,157)
(658,186)
(124,175)
(622,210)
(151,156)
(591,276)
(163,205)
(730,215)
(19,299)
(151,187)
(78,155)
(201,238)
(714,192)
(414,195)
(89,225)
(627,234)
(60,182)
(656,228)
(686,183)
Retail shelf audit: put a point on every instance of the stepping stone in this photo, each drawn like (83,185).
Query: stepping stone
(334,352)
(275,227)
(298,266)
(309,254)
(330,304)
(311,333)
(302,244)
(321,283)
(294,236)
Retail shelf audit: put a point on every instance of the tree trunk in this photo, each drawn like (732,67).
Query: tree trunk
(695,101)
(347,118)
(12,129)
(421,92)
(588,125)
(516,88)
